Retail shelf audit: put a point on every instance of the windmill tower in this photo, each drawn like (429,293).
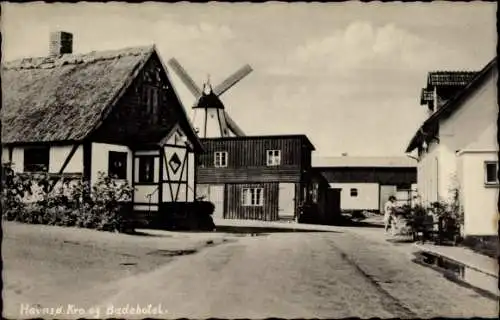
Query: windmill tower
(210,118)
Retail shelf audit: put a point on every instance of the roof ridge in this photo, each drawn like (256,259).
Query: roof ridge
(452,71)
(48,62)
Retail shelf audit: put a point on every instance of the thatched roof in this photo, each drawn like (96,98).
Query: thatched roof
(63,98)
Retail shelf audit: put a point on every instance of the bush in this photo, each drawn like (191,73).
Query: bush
(14,188)
(65,202)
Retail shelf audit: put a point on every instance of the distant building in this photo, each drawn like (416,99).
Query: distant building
(259,177)
(366,183)
(457,146)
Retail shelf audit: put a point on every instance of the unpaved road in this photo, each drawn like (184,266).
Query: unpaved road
(300,275)
(353,272)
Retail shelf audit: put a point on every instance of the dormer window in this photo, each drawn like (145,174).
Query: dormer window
(273,157)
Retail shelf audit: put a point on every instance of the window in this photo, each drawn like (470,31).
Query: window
(117,165)
(315,192)
(220,159)
(146,169)
(252,197)
(273,157)
(491,172)
(36,159)
(354,192)
(151,99)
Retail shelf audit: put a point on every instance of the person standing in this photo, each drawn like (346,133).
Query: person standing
(389,208)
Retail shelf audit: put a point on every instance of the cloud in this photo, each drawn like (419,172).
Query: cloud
(362,46)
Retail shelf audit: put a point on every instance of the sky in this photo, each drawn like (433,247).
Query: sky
(348,75)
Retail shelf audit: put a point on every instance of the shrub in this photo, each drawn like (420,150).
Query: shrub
(65,202)
(14,188)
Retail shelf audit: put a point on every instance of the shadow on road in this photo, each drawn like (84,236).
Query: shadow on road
(362,224)
(145,234)
(264,230)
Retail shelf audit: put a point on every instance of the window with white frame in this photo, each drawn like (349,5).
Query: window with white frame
(491,172)
(252,197)
(273,157)
(220,159)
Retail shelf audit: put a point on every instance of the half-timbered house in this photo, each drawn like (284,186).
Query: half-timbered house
(258,177)
(114,112)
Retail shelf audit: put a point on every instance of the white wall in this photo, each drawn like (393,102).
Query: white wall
(59,154)
(472,126)
(100,153)
(427,175)
(191,176)
(479,201)
(141,193)
(5,155)
(367,199)
(18,159)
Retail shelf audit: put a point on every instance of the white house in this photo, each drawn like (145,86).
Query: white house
(114,112)
(457,145)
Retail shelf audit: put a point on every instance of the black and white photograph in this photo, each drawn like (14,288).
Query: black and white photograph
(245,160)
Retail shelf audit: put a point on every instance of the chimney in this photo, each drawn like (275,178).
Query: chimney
(60,43)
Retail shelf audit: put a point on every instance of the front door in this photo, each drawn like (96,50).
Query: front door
(216,196)
(286,199)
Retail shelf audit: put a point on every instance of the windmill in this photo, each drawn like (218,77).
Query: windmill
(210,118)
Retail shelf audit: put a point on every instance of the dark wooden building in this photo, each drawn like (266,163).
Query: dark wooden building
(258,177)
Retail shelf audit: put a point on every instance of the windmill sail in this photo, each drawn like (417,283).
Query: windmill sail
(185,78)
(233,126)
(232,80)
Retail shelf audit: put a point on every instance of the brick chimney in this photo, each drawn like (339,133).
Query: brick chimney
(60,43)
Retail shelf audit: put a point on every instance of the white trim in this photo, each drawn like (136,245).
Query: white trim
(459,153)
(176,128)
(485,166)
(258,197)
(221,165)
(146,153)
(273,160)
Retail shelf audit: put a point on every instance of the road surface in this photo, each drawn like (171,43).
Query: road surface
(296,275)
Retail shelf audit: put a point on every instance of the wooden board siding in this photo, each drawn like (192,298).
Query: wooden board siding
(252,152)
(249,174)
(247,160)
(235,209)
(390,176)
